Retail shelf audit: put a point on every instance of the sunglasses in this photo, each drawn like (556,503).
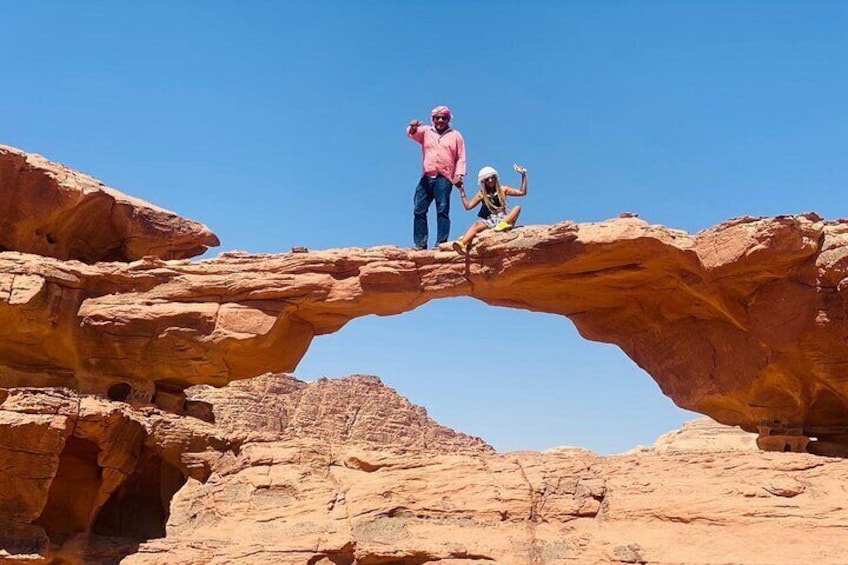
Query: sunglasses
(441,118)
(491,178)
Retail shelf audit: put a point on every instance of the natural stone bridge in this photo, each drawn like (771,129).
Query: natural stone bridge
(745,322)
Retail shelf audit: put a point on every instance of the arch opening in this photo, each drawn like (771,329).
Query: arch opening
(119,392)
(518,379)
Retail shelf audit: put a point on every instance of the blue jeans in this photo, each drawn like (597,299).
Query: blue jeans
(428,189)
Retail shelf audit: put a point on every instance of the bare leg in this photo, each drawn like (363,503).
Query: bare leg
(475,228)
(461,246)
(512,217)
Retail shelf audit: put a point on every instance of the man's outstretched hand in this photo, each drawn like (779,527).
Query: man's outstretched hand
(414,125)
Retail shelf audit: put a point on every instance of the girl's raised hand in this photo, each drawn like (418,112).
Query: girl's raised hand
(519,169)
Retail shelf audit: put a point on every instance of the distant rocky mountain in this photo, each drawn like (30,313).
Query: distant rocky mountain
(358,410)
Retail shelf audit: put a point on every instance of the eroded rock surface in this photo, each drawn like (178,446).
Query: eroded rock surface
(76,466)
(302,503)
(51,210)
(92,481)
(744,322)
(88,479)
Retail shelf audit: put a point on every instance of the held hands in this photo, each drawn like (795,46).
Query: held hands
(458,182)
(519,169)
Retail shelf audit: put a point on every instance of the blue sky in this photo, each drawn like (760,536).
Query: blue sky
(281,123)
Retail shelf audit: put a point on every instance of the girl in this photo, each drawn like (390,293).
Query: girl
(494,212)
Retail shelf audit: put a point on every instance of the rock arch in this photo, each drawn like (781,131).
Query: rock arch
(744,322)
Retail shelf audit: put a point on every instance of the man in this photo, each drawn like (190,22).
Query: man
(444,166)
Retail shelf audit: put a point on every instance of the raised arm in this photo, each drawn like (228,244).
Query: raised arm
(415,131)
(523,190)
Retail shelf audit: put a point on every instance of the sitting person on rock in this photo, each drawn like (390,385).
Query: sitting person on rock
(494,212)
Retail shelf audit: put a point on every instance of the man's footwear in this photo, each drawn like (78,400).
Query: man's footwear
(421,247)
(503,226)
(459,247)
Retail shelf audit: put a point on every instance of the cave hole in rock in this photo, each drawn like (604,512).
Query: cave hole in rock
(73,491)
(515,378)
(140,507)
(119,392)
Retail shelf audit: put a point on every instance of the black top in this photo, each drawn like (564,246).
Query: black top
(496,202)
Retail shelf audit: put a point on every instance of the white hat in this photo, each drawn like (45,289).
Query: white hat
(485,173)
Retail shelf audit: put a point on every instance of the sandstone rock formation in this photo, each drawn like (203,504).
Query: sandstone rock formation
(118,453)
(87,476)
(92,481)
(75,467)
(303,503)
(51,210)
(705,434)
(744,322)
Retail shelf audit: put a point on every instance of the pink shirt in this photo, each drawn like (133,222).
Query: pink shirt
(443,154)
